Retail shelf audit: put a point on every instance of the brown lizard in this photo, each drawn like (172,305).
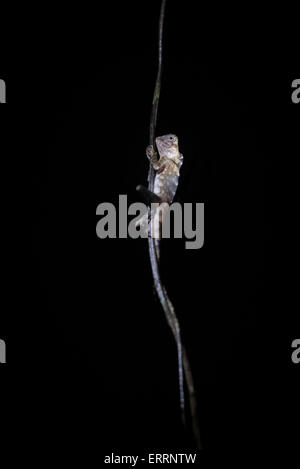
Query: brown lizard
(164,189)
(166,178)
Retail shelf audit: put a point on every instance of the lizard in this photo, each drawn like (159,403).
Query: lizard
(167,168)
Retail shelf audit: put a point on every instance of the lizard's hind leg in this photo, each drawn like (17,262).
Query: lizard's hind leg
(148,196)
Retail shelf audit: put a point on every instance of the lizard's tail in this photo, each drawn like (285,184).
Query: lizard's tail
(170,316)
(157,248)
(142,223)
(151,226)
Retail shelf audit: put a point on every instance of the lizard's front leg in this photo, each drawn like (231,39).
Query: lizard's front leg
(157,164)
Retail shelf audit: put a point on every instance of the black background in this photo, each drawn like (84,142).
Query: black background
(91,362)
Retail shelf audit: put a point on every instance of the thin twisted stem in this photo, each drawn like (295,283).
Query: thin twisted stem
(184,368)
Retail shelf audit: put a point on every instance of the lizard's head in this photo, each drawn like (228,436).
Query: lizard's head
(167,145)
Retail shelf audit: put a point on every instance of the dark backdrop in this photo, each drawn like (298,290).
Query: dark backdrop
(100,369)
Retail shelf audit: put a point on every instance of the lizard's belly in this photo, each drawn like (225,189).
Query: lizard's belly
(165,185)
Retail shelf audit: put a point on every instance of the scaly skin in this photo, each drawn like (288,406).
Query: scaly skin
(167,167)
(165,182)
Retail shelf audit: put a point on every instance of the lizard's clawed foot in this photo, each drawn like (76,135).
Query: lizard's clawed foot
(150,152)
